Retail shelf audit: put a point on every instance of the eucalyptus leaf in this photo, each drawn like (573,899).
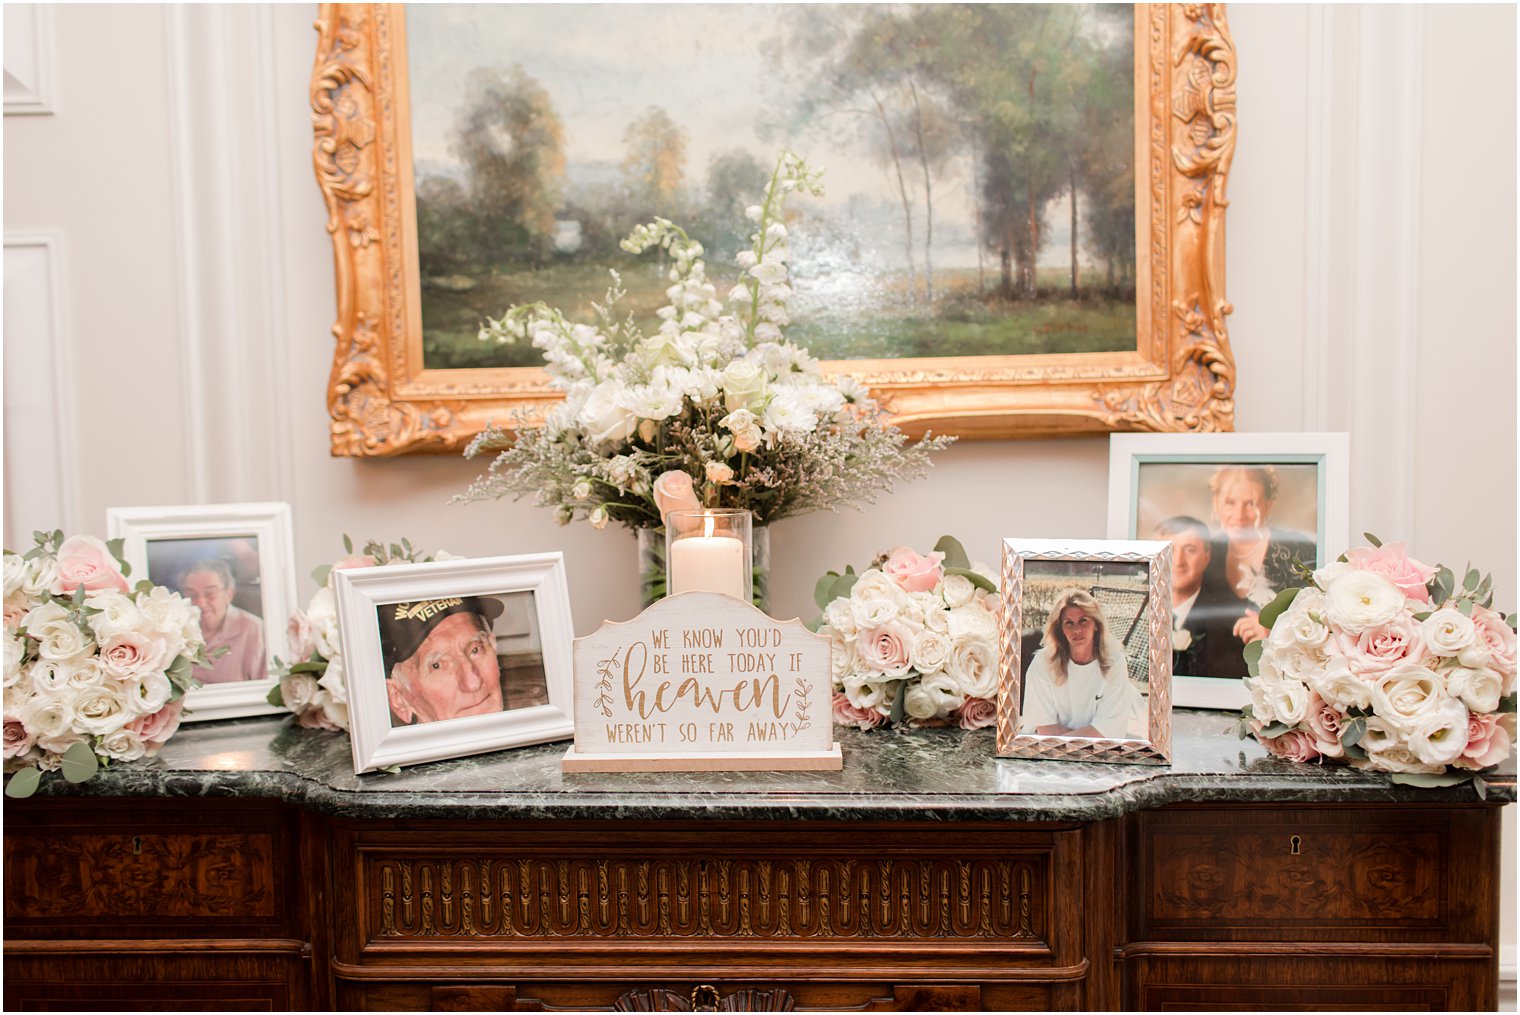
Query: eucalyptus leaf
(23,784)
(274,697)
(1511,620)
(1422,616)
(1471,579)
(319,574)
(176,692)
(1252,654)
(1354,752)
(180,670)
(1353,731)
(348,544)
(821,590)
(1506,703)
(1275,729)
(842,586)
(955,553)
(1277,607)
(814,624)
(899,707)
(1374,540)
(1428,780)
(79,762)
(1480,786)
(1464,607)
(309,668)
(981,581)
(392,770)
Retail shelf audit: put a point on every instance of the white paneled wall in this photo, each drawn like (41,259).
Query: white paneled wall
(1371,261)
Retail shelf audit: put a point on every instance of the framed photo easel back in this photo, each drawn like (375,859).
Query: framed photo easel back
(452,658)
(1084,654)
(1242,512)
(236,563)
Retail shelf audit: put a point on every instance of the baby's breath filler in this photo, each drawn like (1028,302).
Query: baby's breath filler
(716,393)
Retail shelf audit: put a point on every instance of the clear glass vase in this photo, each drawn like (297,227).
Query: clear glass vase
(652,566)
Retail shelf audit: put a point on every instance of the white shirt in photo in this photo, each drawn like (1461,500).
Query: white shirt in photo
(1112,707)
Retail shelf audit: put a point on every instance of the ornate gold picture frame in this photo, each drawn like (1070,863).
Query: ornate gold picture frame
(1178,377)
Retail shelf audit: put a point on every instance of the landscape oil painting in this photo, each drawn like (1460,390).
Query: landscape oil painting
(980,167)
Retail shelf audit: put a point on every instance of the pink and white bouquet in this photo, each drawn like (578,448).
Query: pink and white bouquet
(95,669)
(313,686)
(915,639)
(1386,664)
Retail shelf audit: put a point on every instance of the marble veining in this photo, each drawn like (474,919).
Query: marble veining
(926,775)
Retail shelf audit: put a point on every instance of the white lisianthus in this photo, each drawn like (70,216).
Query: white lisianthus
(51,679)
(151,693)
(932,696)
(1289,700)
(1290,662)
(1335,683)
(122,745)
(58,637)
(323,614)
(867,690)
(1380,735)
(1358,600)
(930,651)
(1438,736)
(104,709)
(1447,632)
(582,489)
(973,665)
(957,590)
(118,615)
(840,616)
(910,612)
(599,517)
(1407,694)
(1477,688)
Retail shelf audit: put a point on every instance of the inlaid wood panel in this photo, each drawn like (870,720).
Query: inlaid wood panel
(1340,983)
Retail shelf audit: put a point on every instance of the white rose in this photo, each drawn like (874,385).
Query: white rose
(973,665)
(843,659)
(957,590)
(337,711)
(151,692)
(1438,737)
(1359,600)
(1407,694)
(1340,687)
(122,745)
(1447,632)
(1478,688)
(50,719)
(335,682)
(972,622)
(51,678)
(58,636)
(1381,735)
(867,690)
(133,654)
(605,417)
(1263,706)
(323,614)
(933,696)
(840,616)
(298,689)
(15,573)
(876,584)
(873,612)
(930,651)
(104,709)
(1290,701)
(15,648)
(84,672)
(937,621)
(118,615)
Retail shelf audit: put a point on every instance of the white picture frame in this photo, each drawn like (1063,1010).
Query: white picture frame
(1126,583)
(378,742)
(156,539)
(1324,455)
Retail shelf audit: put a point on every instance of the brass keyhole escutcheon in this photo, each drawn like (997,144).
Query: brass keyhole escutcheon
(704,998)
(1295,845)
(137,845)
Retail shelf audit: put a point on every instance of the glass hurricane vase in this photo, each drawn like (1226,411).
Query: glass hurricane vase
(652,566)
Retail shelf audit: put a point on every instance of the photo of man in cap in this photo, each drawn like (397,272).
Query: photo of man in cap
(440,658)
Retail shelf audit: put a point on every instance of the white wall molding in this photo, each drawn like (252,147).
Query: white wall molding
(230,264)
(1320,95)
(29,89)
(42,465)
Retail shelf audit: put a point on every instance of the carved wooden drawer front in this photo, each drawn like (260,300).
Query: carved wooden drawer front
(1281,874)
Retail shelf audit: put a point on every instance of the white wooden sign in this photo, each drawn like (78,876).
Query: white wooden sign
(703,682)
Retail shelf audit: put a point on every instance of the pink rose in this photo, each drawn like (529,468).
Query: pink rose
(1493,633)
(302,636)
(1488,740)
(317,719)
(976,713)
(886,648)
(132,655)
(1378,650)
(846,714)
(1294,745)
(18,739)
(1324,721)
(1390,561)
(672,492)
(912,572)
(159,726)
(85,560)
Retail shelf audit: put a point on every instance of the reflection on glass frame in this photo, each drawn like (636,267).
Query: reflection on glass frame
(236,564)
(452,658)
(1085,660)
(1242,512)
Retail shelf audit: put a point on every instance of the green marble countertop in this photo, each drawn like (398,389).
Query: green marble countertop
(938,774)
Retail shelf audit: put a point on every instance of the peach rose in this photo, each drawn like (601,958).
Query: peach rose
(1294,745)
(912,572)
(1390,561)
(159,726)
(1499,638)
(302,636)
(846,714)
(130,655)
(1488,740)
(976,713)
(85,560)
(672,492)
(1324,721)
(1377,650)
(18,739)
(886,648)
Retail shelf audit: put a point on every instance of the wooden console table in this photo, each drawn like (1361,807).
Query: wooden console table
(247,869)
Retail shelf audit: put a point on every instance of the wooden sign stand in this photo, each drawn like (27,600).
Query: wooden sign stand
(702,682)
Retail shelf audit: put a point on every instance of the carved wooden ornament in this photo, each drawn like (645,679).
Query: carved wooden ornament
(1179,375)
(702,682)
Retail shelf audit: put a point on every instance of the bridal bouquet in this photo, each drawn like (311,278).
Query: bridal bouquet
(313,685)
(95,669)
(914,639)
(1386,664)
(716,408)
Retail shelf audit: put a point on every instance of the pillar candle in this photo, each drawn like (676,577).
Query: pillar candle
(709,564)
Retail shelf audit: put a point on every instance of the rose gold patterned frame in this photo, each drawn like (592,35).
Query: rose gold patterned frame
(1180,375)
(1156,749)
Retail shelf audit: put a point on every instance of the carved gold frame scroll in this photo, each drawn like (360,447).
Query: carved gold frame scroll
(1180,376)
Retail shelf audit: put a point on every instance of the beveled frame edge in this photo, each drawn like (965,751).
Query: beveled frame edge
(1156,749)
(1331,448)
(270,522)
(361,592)
(1179,377)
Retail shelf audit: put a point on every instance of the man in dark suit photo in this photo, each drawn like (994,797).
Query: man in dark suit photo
(1203,617)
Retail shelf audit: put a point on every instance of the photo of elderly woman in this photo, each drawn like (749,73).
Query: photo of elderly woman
(220,576)
(1086,641)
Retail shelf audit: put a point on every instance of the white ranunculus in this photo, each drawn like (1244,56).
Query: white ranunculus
(972,622)
(866,690)
(1479,688)
(298,689)
(1407,694)
(122,745)
(1438,737)
(335,682)
(957,590)
(322,611)
(933,696)
(1447,632)
(59,638)
(1304,622)
(974,666)
(840,616)
(104,709)
(930,651)
(1340,687)
(605,417)
(1359,600)
(1290,701)
(118,615)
